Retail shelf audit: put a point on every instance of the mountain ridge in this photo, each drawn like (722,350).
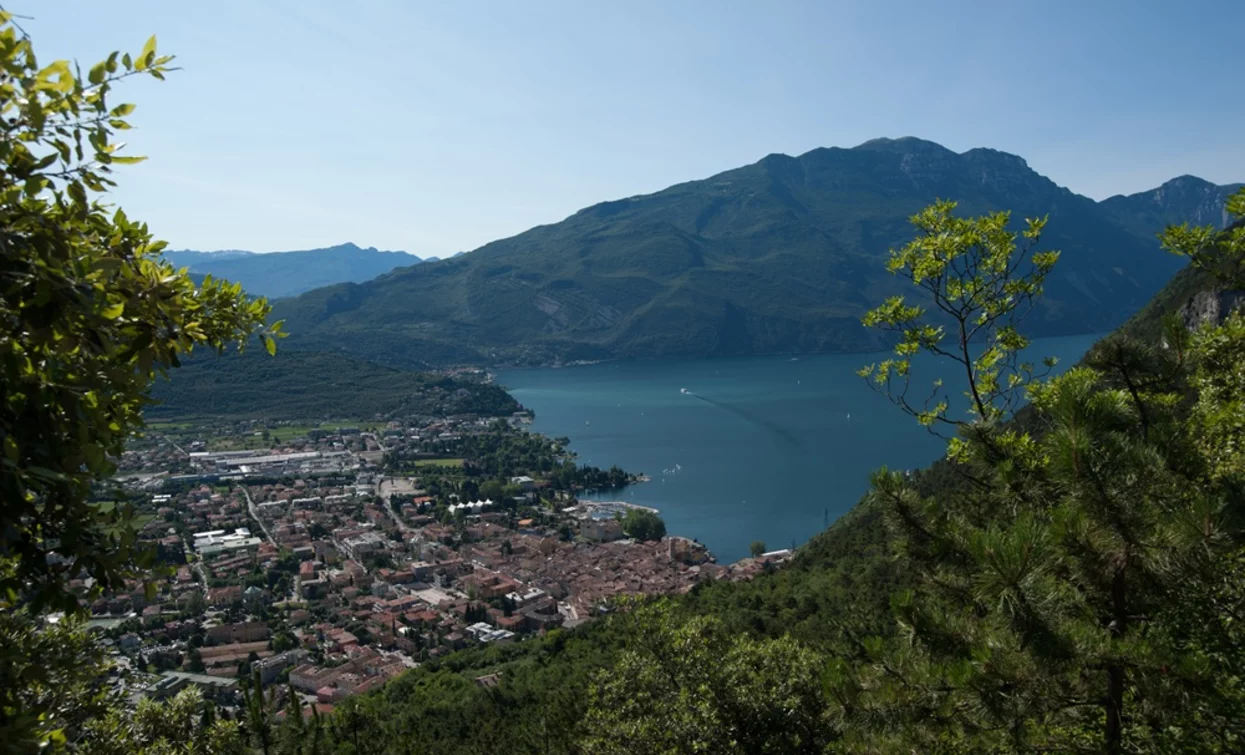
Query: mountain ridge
(1178,200)
(778,256)
(289,273)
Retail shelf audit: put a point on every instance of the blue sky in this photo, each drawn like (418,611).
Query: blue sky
(437,127)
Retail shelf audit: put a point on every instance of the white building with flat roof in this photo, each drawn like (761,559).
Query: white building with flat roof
(217,541)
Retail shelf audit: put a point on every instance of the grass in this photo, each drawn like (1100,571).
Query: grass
(440,462)
(290,432)
(346,425)
(225,439)
(238,443)
(167,425)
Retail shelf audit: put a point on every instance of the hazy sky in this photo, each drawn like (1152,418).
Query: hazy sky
(436,127)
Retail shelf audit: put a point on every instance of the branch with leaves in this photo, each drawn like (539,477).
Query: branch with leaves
(981,285)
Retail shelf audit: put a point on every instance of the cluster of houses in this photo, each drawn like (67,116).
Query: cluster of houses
(317,574)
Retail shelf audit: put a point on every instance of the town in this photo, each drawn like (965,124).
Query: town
(326,559)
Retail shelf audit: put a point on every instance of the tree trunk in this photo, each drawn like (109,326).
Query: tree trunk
(1115,712)
(1115,670)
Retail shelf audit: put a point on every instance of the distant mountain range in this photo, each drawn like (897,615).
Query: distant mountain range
(1186,199)
(278,274)
(783,255)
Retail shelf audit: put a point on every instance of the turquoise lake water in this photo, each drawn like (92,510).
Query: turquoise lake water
(764,448)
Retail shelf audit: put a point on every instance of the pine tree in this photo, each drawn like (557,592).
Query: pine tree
(1054,584)
(258,711)
(293,731)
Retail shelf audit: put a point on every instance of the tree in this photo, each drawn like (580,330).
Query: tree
(51,670)
(258,710)
(195,604)
(282,641)
(757,548)
(493,490)
(1058,584)
(981,286)
(194,661)
(293,730)
(691,686)
(92,314)
(184,724)
(643,525)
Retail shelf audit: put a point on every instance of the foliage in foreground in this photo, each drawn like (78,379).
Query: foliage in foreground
(690,686)
(184,725)
(91,315)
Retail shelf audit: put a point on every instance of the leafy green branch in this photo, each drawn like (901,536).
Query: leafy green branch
(981,285)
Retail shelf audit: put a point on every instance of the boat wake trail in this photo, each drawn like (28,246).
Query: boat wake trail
(778,432)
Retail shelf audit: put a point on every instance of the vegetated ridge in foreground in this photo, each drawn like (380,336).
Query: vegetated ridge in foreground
(784,255)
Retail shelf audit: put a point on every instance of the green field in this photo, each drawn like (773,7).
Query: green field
(239,443)
(226,437)
(440,462)
(168,425)
(289,432)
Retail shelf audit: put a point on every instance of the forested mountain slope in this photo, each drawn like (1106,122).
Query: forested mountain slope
(308,385)
(783,255)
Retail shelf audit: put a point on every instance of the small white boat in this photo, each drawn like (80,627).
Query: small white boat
(684,390)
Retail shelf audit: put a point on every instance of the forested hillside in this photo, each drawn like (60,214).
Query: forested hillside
(295,385)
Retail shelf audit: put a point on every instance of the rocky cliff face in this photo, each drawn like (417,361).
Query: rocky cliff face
(1213,303)
(1211,307)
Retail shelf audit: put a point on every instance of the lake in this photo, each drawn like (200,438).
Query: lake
(763,448)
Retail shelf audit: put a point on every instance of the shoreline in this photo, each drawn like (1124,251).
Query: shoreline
(493,367)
